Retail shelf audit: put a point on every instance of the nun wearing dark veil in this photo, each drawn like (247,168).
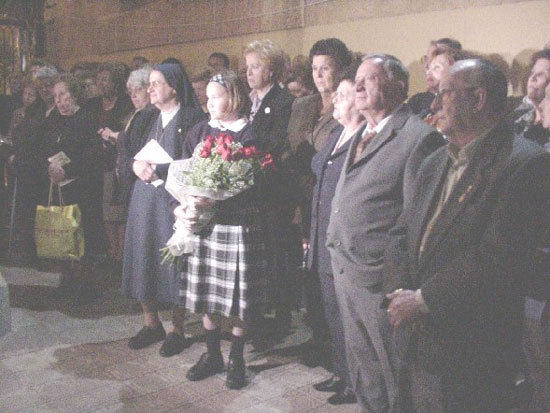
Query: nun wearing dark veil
(150,219)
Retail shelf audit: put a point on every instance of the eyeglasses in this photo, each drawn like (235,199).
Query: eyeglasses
(156,83)
(443,92)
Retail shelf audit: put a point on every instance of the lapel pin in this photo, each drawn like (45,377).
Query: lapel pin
(179,130)
(267,110)
(463,196)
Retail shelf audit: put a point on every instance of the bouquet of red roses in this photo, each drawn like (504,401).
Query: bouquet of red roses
(219,169)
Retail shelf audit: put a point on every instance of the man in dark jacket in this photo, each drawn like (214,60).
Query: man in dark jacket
(457,260)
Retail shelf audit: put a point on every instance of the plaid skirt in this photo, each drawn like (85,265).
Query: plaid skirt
(226,274)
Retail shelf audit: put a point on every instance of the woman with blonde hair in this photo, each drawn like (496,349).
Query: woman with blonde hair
(270,113)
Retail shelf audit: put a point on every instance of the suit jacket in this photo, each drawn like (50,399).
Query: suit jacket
(369,196)
(307,134)
(477,257)
(270,128)
(305,126)
(271,121)
(327,167)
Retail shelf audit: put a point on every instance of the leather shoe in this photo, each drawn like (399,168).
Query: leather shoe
(147,336)
(236,373)
(208,365)
(333,384)
(174,343)
(346,396)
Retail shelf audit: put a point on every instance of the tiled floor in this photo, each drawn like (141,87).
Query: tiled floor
(65,357)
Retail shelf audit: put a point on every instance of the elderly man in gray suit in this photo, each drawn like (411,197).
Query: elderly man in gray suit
(368,200)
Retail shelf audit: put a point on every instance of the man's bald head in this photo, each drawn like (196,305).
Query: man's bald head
(479,73)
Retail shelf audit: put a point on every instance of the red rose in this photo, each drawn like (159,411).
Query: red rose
(238,154)
(207,149)
(247,152)
(227,154)
(220,147)
(227,138)
(268,163)
(210,139)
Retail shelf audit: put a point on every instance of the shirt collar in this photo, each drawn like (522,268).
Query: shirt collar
(462,156)
(381,124)
(254,94)
(169,115)
(235,126)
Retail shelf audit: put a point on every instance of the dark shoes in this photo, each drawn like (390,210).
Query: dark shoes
(174,343)
(345,396)
(333,384)
(147,336)
(208,365)
(282,321)
(236,373)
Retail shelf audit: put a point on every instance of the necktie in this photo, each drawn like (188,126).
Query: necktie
(362,145)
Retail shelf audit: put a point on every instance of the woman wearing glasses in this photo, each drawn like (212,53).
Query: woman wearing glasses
(150,220)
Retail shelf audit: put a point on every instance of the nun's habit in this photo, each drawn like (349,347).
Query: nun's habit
(150,219)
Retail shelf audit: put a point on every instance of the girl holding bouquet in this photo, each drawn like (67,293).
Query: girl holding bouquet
(223,274)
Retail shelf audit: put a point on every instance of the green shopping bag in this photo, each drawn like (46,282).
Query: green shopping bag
(57,230)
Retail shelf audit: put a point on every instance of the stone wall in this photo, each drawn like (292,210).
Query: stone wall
(190,30)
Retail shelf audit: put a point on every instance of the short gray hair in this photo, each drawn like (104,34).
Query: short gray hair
(139,78)
(394,69)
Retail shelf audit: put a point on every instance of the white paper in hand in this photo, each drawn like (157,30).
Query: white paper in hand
(61,159)
(152,152)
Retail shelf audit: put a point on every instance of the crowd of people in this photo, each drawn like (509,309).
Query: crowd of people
(414,231)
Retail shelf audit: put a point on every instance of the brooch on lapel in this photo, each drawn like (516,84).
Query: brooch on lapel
(267,110)
(466,192)
(179,130)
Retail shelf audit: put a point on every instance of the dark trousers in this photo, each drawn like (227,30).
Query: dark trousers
(335,327)
(455,391)
(314,300)
(536,347)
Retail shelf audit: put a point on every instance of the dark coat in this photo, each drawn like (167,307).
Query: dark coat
(271,121)
(308,132)
(114,119)
(77,137)
(327,168)
(131,141)
(270,127)
(421,103)
(477,257)
(305,127)
(150,221)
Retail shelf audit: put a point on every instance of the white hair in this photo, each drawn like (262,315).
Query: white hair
(139,78)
